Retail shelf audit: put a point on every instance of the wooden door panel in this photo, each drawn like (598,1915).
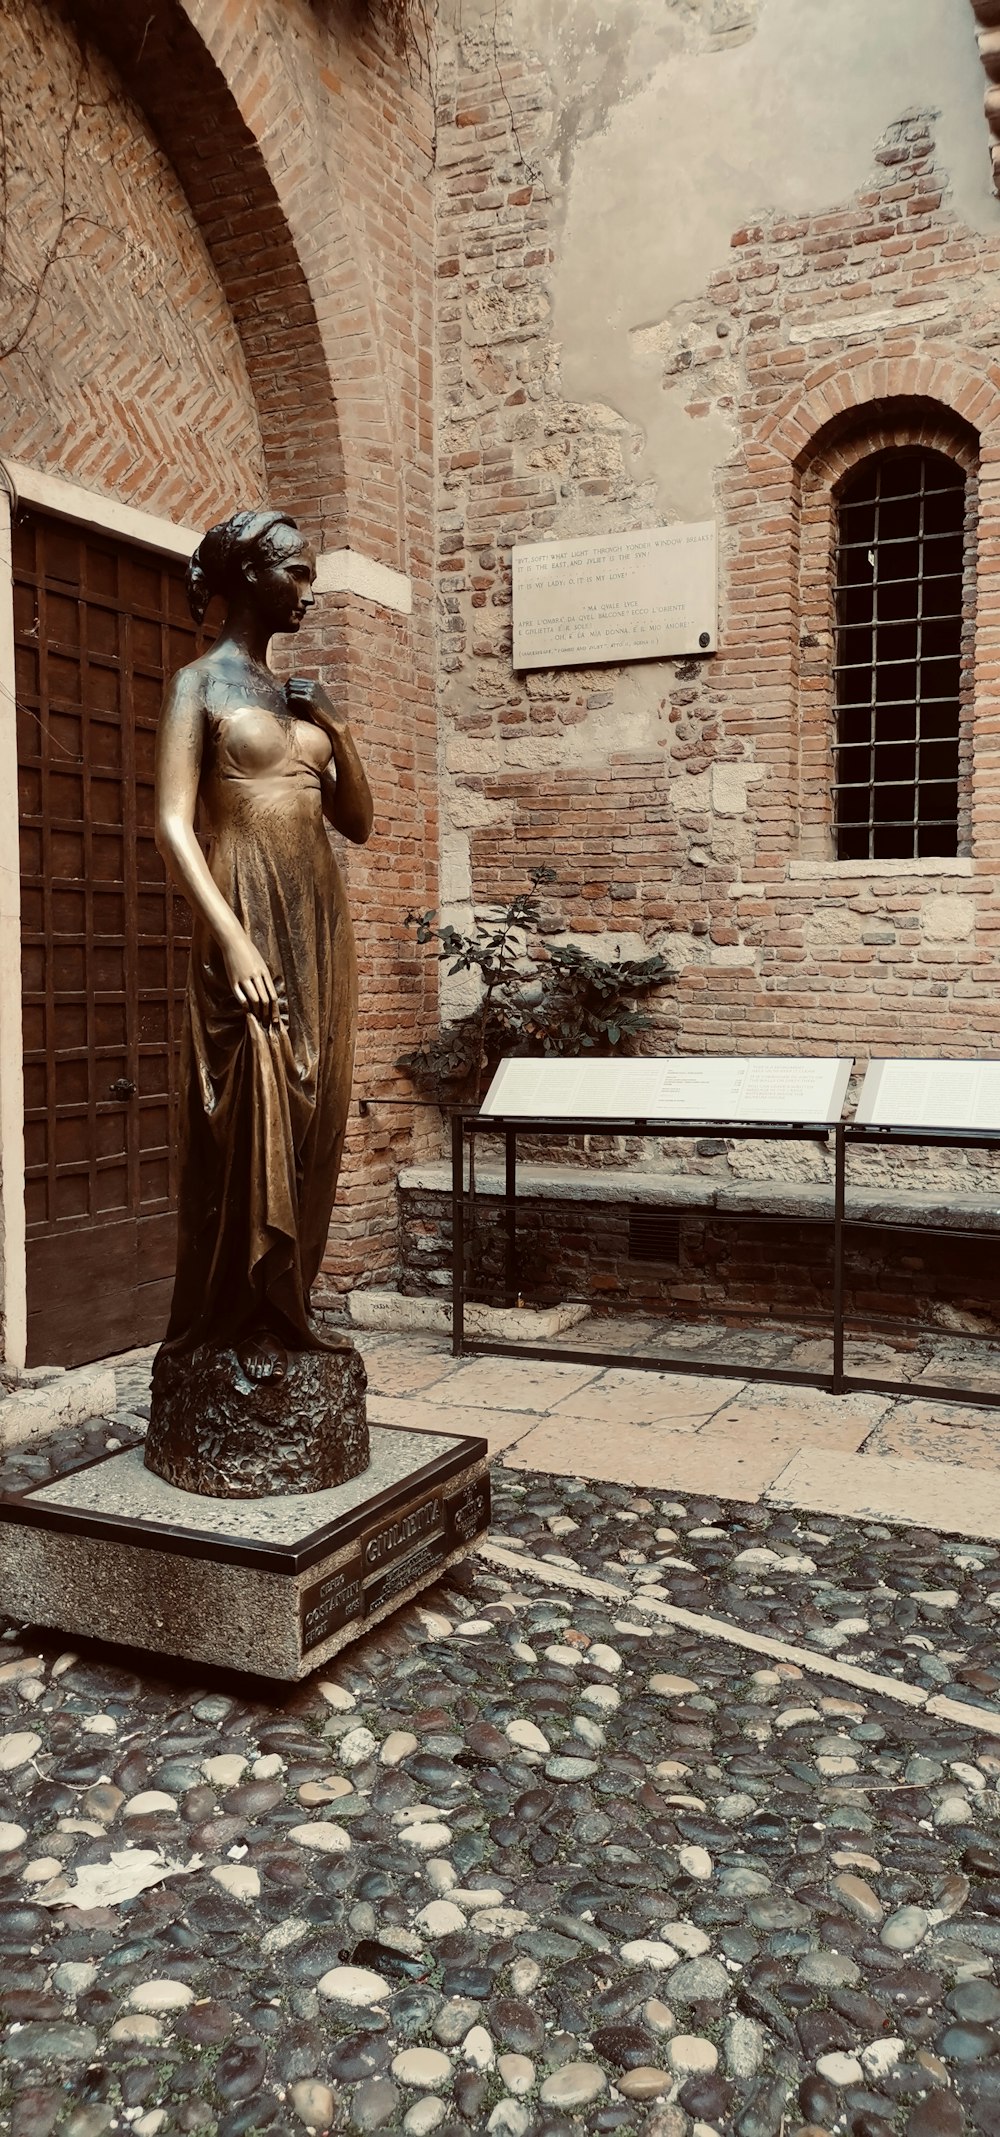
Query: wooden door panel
(99,626)
(137,1280)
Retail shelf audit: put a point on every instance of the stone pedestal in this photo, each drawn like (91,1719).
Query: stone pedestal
(215,1430)
(275,1585)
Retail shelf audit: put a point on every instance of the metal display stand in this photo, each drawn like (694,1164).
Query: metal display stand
(888,1138)
(466,1127)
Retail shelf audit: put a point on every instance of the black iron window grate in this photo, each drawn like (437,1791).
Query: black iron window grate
(897,668)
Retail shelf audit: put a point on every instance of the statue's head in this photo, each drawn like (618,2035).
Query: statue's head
(259,557)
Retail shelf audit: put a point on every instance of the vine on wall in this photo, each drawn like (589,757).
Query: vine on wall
(25,269)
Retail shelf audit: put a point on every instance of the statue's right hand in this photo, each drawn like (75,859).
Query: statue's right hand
(250,979)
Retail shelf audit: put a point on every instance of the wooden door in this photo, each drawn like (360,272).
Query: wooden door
(99,625)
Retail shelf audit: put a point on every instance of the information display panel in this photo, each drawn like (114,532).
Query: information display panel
(930,1094)
(647,595)
(774,1088)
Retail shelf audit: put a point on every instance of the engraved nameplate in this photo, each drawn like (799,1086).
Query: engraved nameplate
(418,1565)
(467,1513)
(463,1515)
(400,1533)
(404,1548)
(330,1603)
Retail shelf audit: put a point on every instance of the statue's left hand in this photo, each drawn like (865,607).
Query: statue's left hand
(309,700)
(347,800)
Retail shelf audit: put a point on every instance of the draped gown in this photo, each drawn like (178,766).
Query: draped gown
(263,1105)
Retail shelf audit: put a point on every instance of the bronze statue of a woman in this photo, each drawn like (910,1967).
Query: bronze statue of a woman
(249,1397)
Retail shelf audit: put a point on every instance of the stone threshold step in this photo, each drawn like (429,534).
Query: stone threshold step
(50,1398)
(391,1312)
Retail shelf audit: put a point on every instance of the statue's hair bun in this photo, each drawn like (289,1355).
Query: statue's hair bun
(224,553)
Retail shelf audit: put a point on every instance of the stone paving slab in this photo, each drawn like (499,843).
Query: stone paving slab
(660,1456)
(706,1432)
(807,1423)
(962,1502)
(405,1368)
(645,1398)
(512,1383)
(500,1428)
(939,1432)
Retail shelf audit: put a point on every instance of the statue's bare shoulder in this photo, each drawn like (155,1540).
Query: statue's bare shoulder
(188,689)
(206,685)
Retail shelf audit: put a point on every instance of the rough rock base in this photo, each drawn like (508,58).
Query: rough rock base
(215,1431)
(274,1586)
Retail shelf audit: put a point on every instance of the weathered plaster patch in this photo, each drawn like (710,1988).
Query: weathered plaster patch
(847,326)
(469,810)
(645,230)
(612,942)
(831,924)
(732,953)
(947,917)
(637,720)
(465,811)
(729,786)
(456,868)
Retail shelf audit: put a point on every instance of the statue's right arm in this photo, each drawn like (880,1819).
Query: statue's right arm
(179,745)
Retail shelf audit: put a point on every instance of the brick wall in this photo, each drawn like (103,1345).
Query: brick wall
(735,1272)
(247,313)
(131,378)
(686,804)
(255,312)
(305,144)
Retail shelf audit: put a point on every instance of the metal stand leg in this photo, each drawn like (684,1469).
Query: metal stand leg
(840,1168)
(457,1236)
(511,1286)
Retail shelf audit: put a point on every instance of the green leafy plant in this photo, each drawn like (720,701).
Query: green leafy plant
(536,998)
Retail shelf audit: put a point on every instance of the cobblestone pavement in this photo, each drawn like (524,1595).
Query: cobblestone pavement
(533,1858)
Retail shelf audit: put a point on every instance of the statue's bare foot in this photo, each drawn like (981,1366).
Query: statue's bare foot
(263,1358)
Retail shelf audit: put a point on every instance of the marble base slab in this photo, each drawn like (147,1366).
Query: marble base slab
(275,1586)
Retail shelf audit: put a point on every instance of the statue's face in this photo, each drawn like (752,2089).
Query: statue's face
(282,587)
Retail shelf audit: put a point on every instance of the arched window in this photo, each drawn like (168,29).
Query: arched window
(897,662)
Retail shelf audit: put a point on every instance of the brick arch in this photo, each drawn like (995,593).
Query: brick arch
(306,331)
(841,446)
(840,391)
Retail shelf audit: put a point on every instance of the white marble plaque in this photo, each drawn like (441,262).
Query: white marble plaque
(616,597)
(931,1094)
(712,1087)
